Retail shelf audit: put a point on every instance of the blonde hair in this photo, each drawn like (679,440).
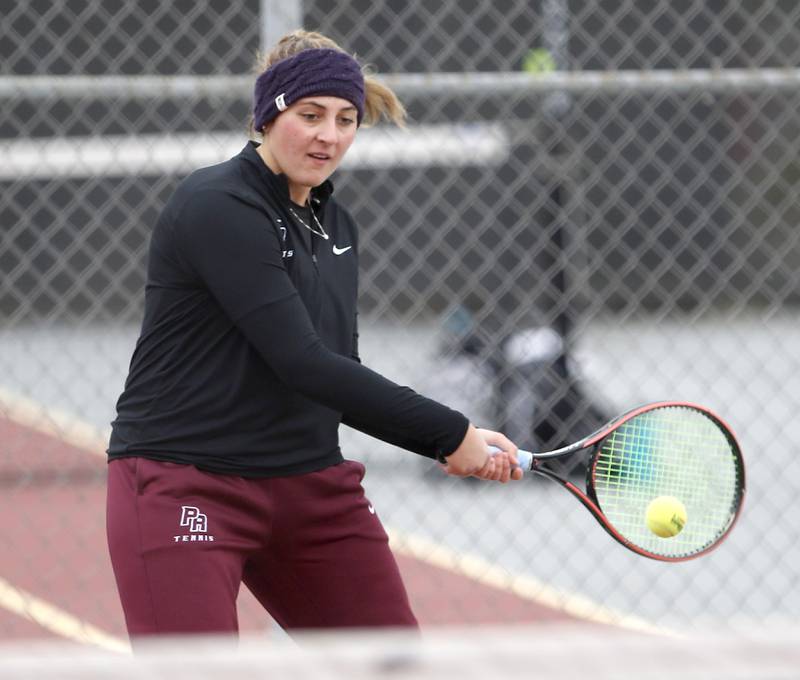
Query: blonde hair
(380,101)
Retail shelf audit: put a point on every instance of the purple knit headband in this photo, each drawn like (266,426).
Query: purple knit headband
(321,72)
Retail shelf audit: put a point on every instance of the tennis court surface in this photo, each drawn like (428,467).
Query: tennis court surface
(56,579)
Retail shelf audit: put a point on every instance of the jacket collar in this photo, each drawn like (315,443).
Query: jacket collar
(270,185)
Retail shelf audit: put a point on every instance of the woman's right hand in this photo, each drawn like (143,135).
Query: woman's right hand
(472,457)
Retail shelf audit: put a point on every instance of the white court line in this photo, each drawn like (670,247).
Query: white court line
(526,587)
(87,438)
(52,422)
(56,620)
(35,416)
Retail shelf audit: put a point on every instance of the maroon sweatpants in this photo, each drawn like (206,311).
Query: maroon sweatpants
(310,548)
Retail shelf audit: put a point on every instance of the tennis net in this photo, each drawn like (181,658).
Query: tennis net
(562,652)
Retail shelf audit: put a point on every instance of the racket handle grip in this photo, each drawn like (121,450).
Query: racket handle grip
(524,458)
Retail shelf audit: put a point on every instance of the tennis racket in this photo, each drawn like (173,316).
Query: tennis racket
(667,449)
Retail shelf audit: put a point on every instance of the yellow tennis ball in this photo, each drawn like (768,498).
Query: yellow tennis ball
(666,516)
(538,61)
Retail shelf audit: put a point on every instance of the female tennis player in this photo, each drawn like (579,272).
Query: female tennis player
(224,464)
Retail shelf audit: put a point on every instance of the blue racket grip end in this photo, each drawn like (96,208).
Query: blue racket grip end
(524,458)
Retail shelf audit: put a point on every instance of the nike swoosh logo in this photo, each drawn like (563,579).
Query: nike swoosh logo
(339,251)
(371,509)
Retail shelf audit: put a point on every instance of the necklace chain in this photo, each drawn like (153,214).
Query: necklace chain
(321,231)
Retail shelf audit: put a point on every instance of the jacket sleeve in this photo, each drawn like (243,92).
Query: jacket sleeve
(235,251)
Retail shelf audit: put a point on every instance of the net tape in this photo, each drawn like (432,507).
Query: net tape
(519,652)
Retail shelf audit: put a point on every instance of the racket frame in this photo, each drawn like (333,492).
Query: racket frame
(593,442)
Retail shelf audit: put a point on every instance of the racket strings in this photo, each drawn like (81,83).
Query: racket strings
(668,451)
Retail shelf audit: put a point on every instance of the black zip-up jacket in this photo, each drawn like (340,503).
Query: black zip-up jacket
(247,360)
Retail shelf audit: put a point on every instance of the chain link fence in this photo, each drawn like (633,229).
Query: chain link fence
(544,247)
